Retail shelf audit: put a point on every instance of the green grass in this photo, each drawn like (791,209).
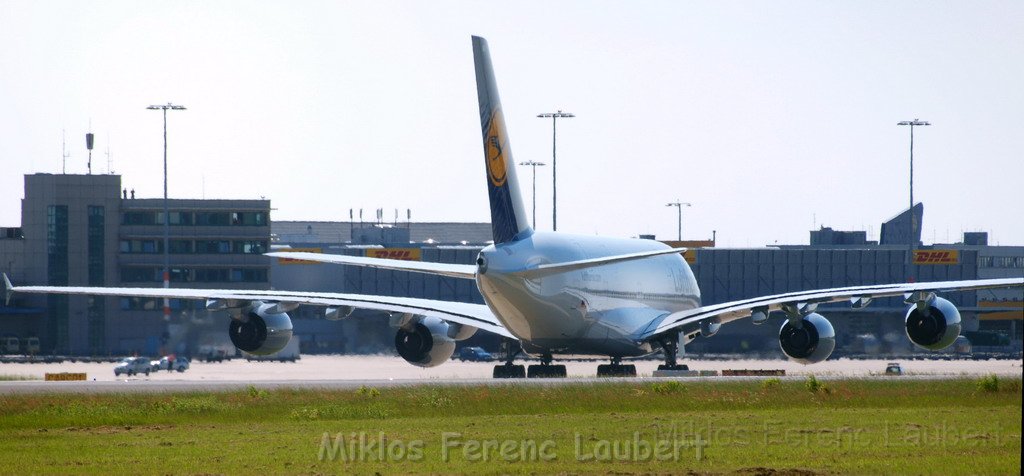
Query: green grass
(752,427)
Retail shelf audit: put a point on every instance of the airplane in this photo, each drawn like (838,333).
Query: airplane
(557,294)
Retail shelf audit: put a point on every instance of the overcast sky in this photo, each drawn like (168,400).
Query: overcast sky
(770,117)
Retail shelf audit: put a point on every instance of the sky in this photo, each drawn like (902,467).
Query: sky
(770,118)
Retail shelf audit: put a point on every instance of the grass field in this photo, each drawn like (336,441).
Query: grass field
(751,427)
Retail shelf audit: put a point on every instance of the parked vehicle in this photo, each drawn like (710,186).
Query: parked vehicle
(133,366)
(10,345)
(475,354)
(32,345)
(179,364)
(893,368)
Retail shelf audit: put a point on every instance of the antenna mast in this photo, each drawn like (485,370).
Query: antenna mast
(110,162)
(88,145)
(64,152)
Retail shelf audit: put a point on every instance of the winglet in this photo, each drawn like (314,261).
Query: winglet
(8,289)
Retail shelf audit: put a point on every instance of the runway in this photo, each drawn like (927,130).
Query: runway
(351,372)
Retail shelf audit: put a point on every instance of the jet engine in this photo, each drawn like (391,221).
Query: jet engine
(933,324)
(260,329)
(808,341)
(429,341)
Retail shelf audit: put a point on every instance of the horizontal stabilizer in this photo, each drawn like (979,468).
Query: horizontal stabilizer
(555,268)
(463,271)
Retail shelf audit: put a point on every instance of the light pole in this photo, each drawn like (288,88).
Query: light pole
(554,162)
(910,211)
(167,216)
(534,164)
(679,208)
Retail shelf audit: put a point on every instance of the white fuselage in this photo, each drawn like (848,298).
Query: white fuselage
(599,310)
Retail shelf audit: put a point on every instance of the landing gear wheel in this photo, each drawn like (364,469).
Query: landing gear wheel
(616,370)
(509,371)
(673,367)
(546,371)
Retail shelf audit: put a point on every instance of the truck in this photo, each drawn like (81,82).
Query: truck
(290,353)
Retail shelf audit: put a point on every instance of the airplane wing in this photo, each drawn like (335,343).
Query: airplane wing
(857,295)
(476,315)
(463,271)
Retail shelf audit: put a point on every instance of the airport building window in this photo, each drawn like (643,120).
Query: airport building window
(181,218)
(213,246)
(180,246)
(156,304)
(1001,261)
(96,236)
(213,218)
(57,244)
(249,247)
(154,246)
(147,274)
(139,218)
(188,218)
(139,275)
(57,330)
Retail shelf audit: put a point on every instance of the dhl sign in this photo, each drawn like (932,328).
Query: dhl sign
(404,254)
(936,257)
(299,261)
(690,256)
(64,376)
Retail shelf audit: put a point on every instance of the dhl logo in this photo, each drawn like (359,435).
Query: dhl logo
(299,261)
(404,254)
(936,257)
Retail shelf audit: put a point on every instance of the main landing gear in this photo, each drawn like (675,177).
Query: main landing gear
(509,369)
(546,369)
(616,369)
(670,344)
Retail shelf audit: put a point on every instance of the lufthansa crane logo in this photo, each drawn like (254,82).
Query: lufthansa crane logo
(496,144)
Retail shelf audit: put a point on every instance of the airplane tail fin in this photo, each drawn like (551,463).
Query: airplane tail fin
(508,215)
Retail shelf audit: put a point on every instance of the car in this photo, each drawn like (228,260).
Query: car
(133,366)
(180,364)
(475,354)
(893,368)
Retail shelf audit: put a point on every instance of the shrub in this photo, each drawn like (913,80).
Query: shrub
(666,388)
(815,386)
(770,383)
(256,393)
(368,392)
(988,383)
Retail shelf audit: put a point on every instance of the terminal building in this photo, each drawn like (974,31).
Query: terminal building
(88,230)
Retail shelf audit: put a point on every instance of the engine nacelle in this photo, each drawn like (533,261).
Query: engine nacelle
(934,325)
(810,341)
(424,342)
(259,330)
